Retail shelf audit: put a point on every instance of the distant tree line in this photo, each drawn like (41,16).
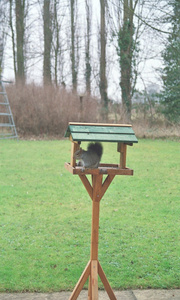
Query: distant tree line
(65,43)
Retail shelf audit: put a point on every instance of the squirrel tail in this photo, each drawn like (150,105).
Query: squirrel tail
(97,148)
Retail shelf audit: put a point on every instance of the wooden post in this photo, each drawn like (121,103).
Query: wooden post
(122,148)
(96,197)
(93,268)
(74,147)
(97,184)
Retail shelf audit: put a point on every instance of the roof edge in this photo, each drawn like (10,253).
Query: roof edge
(99,124)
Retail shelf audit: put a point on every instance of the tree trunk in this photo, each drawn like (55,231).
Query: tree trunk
(57,43)
(88,63)
(126,52)
(3,33)
(20,30)
(73,60)
(103,79)
(47,43)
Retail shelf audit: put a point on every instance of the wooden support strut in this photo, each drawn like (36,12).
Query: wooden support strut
(122,148)
(74,147)
(93,268)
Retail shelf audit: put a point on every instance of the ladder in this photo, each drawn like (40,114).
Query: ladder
(7,125)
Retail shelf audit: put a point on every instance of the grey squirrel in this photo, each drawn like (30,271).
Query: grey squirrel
(91,157)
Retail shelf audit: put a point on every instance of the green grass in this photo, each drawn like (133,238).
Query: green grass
(45,218)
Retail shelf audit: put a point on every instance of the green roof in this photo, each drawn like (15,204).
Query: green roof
(101,132)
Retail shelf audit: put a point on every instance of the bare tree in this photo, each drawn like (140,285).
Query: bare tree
(56,31)
(126,46)
(47,18)
(3,32)
(73,54)
(126,54)
(87,46)
(12,35)
(103,78)
(135,20)
(18,37)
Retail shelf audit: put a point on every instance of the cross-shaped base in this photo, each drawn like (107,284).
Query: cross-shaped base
(92,270)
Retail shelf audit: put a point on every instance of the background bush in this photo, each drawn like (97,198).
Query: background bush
(46,111)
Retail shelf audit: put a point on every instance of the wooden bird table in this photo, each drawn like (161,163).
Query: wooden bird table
(96,190)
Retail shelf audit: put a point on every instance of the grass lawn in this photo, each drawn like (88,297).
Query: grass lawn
(45,218)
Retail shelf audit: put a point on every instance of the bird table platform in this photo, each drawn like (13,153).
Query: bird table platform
(123,135)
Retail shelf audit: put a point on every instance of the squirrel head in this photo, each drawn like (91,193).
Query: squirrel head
(78,154)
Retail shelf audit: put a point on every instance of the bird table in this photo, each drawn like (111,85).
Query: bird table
(124,135)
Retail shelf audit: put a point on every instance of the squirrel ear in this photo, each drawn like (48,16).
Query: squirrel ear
(78,151)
